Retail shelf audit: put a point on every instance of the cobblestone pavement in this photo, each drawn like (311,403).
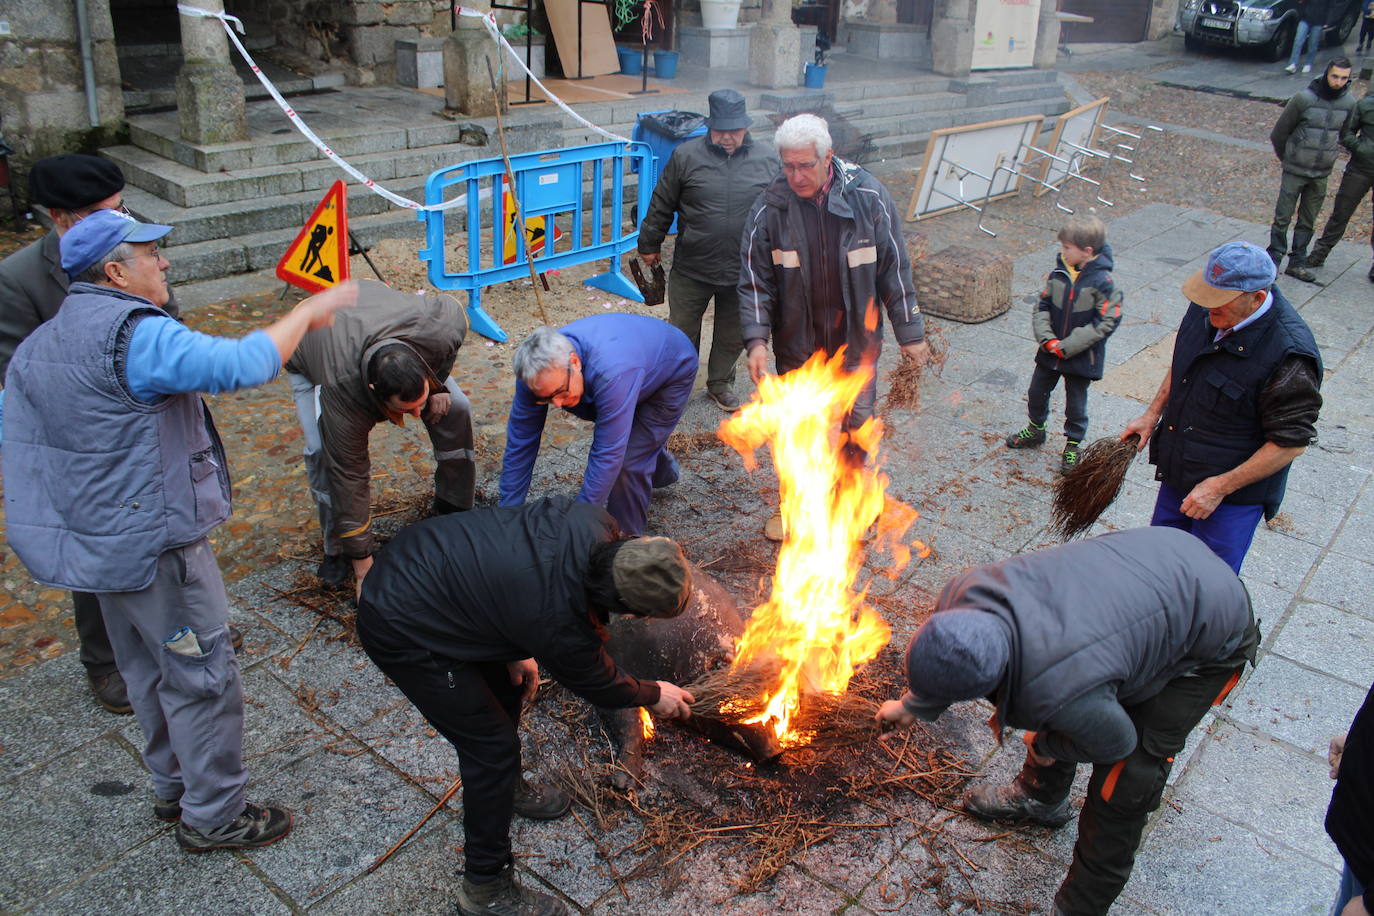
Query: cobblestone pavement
(1241,832)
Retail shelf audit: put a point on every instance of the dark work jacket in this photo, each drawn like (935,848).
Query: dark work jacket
(502,584)
(1080,315)
(1358,135)
(1132,609)
(1211,422)
(1351,812)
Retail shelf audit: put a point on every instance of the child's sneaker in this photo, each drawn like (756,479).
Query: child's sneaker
(1070,459)
(1028,436)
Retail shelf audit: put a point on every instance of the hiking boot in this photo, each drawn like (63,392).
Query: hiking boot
(506,897)
(1317,258)
(165,810)
(725,399)
(256,826)
(334,570)
(540,802)
(1069,460)
(1011,804)
(1027,436)
(1301,273)
(111,692)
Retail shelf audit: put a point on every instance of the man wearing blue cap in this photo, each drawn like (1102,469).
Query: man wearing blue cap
(1238,404)
(115,476)
(1142,632)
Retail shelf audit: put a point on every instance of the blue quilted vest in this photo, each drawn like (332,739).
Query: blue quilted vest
(98,484)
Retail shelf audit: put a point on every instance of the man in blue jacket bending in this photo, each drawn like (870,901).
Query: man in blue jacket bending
(632,376)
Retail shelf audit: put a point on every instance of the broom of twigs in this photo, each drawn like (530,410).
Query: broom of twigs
(904,382)
(733,696)
(1083,494)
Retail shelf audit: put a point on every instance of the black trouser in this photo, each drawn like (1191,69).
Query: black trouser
(475,706)
(1122,795)
(1366,33)
(97,656)
(1355,184)
(1075,400)
(1305,195)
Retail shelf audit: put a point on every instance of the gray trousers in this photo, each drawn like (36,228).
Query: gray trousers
(455,471)
(1304,195)
(687,302)
(190,707)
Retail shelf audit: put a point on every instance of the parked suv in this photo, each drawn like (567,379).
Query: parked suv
(1267,25)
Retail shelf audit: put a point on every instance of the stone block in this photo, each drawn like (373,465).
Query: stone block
(964,284)
(467,87)
(32,23)
(210,102)
(407,12)
(889,41)
(775,55)
(420,62)
(515,59)
(360,13)
(717,48)
(372,45)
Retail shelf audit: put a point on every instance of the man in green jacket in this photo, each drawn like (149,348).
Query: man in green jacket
(1306,139)
(1358,137)
(710,183)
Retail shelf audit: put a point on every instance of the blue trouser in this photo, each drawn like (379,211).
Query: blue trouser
(1312,35)
(1349,890)
(190,707)
(647,463)
(1075,400)
(1228,530)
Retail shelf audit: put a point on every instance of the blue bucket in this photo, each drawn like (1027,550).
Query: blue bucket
(665,64)
(815,76)
(631,60)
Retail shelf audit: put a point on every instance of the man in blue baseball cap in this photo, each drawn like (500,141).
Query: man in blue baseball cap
(114,479)
(1238,404)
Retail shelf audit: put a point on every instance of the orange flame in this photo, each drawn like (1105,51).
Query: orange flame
(646,724)
(815,627)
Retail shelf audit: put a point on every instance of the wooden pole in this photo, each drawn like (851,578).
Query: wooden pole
(457,784)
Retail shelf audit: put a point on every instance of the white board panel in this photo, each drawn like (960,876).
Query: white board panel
(1075,129)
(954,153)
(1004,34)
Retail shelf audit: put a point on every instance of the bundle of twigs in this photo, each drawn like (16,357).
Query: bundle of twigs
(1083,494)
(904,383)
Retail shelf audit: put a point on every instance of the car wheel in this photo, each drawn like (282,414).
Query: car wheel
(1340,33)
(1281,45)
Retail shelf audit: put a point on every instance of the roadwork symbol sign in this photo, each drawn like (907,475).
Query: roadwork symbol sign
(534,230)
(318,258)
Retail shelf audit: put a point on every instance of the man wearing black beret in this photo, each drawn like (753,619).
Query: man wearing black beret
(32,287)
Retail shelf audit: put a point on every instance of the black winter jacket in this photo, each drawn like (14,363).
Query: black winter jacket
(502,584)
(1351,812)
(1307,135)
(1081,316)
(713,193)
(1358,135)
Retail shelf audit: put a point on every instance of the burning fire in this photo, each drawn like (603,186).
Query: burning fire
(646,724)
(815,629)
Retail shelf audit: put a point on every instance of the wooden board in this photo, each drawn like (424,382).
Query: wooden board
(981,148)
(598,47)
(1077,127)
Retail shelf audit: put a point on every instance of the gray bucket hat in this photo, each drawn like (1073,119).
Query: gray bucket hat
(727,111)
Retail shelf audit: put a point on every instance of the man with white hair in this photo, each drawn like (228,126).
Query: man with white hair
(822,247)
(632,376)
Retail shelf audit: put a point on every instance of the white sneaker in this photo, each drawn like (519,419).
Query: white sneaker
(1291,68)
(1306,68)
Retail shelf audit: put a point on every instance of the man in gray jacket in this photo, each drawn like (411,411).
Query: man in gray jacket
(709,183)
(1358,137)
(32,287)
(1306,138)
(388,358)
(1108,651)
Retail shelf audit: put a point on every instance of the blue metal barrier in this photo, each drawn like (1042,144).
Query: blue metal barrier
(585,185)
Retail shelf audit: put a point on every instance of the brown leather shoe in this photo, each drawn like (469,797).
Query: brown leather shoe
(110,692)
(540,802)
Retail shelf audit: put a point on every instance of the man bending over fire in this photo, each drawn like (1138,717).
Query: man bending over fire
(1113,669)
(459,611)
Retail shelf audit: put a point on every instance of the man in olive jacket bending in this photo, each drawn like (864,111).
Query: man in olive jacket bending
(1108,651)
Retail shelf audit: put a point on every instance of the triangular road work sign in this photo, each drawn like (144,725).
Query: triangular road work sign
(318,258)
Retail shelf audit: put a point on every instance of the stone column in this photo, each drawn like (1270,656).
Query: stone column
(1047,37)
(467,86)
(209,91)
(951,37)
(775,51)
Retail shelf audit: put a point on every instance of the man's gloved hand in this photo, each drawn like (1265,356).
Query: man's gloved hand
(436,408)
(1054,347)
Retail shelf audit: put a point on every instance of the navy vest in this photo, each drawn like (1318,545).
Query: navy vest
(98,484)
(1211,422)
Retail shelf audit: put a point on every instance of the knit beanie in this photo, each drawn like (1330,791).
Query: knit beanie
(958,654)
(652,576)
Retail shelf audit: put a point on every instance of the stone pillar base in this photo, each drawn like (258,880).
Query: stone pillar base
(951,47)
(210,103)
(1047,38)
(775,60)
(467,85)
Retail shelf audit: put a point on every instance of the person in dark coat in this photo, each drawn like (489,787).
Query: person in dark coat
(459,610)
(1313,15)
(709,184)
(632,376)
(32,288)
(1137,634)
(1358,137)
(1237,406)
(1351,812)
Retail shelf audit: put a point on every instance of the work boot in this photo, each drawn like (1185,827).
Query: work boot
(165,810)
(256,826)
(1317,258)
(110,692)
(1027,436)
(1300,272)
(542,802)
(506,897)
(1011,804)
(725,399)
(1069,460)
(334,570)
